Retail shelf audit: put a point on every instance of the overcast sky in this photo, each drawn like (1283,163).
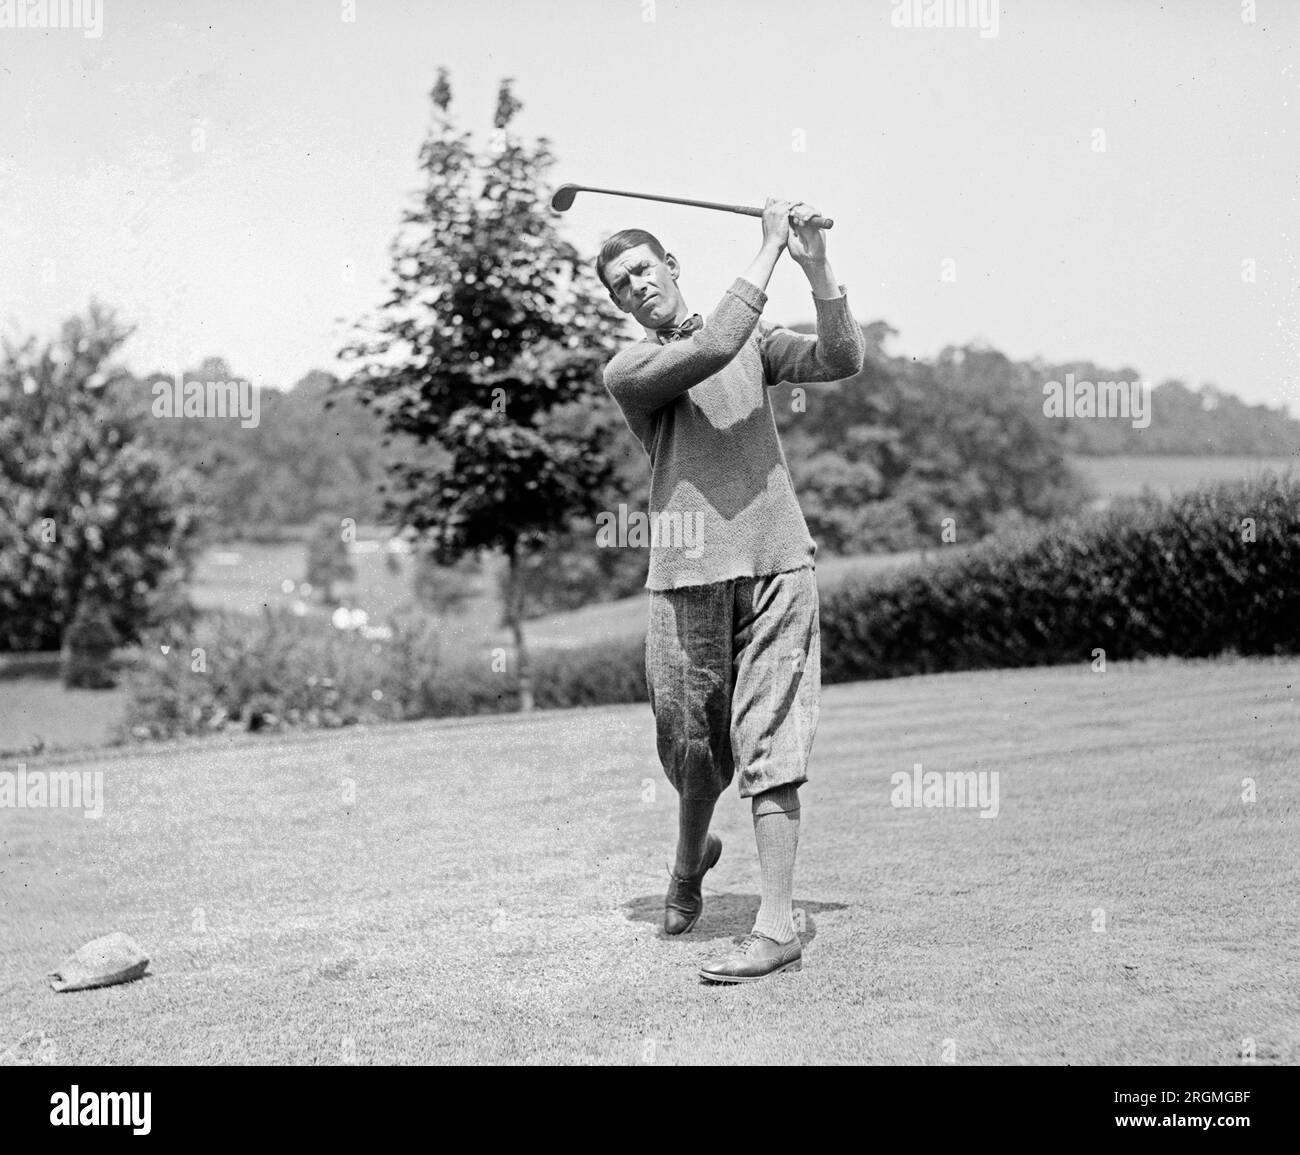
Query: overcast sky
(925,144)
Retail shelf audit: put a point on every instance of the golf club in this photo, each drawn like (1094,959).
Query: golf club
(562,201)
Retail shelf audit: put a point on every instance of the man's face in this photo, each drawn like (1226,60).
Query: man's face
(642,284)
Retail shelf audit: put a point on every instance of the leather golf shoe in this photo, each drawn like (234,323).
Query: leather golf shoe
(756,957)
(684,903)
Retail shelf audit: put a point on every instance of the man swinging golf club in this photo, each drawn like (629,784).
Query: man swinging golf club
(733,659)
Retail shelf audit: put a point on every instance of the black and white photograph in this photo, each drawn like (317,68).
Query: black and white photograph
(627,533)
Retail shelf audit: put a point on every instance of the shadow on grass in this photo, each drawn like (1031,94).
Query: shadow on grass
(727,916)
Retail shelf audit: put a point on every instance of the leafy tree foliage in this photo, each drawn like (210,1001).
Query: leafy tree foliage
(1188,421)
(311,454)
(88,511)
(492,324)
(881,459)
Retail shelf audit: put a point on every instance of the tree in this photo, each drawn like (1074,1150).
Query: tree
(88,511)
(306,456)
(881,459)
(572,570)
(493,323)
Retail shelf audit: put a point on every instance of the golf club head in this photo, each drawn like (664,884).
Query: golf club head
(562,201)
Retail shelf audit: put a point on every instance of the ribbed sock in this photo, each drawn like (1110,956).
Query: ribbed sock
(776,830)
(693,818)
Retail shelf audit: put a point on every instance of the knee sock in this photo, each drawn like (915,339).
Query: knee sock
(776,830)
(693,818)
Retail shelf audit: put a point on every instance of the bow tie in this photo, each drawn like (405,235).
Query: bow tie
(685,329)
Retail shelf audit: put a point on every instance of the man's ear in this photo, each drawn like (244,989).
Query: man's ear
(673,267)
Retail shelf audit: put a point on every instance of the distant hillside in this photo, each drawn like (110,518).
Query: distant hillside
(300,460)
(876,458)
(1115,476)
(1182,420)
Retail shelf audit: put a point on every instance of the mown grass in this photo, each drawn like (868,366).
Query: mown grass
(1128,475)
(490,890)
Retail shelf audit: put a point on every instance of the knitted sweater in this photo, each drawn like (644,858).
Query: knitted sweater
(722,504)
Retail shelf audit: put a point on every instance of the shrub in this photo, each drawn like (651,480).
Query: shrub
(592,675)
(282,671)
(1146,578)
(88,644)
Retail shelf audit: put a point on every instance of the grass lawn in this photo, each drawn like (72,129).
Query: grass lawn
(490,890)
(39,710)
(1128,475)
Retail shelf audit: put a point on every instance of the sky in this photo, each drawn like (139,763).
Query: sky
(1117,180)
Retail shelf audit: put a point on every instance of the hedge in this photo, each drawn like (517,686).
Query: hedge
(1188,576)
(280,671)
(1183,577)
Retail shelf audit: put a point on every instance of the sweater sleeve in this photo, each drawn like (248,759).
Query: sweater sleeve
(836,352)
(647,376)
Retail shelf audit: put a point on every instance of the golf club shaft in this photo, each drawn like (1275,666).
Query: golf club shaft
(744,210)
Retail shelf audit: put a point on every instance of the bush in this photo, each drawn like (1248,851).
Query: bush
(591,675)
(88,644)
(1146,578)
(281,671)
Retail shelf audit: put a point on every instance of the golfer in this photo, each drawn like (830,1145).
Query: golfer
(733,659)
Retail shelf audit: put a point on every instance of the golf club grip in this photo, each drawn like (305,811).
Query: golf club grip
(744,210)
(750,211)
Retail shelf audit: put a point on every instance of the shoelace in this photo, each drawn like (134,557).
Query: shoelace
(685,877)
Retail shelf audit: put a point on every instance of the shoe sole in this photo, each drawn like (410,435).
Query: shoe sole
(690,926)
(796,964)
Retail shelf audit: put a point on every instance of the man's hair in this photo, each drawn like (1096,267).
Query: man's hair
(620,242)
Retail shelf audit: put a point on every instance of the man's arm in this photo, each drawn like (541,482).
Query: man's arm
(646,377)
(838,349)
(836,352)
